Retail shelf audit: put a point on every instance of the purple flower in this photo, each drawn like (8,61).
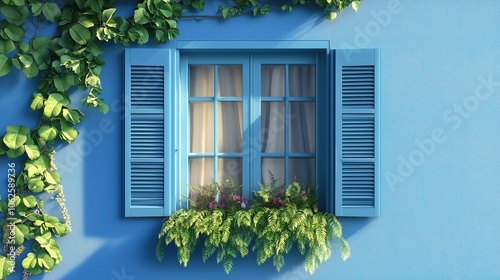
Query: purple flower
(236,197)
(244,203)
(212,205)
(303,192)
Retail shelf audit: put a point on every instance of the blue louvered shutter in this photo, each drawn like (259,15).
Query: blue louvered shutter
(357,187)
(148,157)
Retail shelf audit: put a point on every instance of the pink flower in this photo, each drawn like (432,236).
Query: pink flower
(236,197)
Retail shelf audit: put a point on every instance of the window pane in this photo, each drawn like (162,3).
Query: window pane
(230,127)
(275,166)
(302,170)
(201,80)
(302,80)
(272,80)
(201,171)
(202,127)
(231,168)
(230,80)
(273,127)
(302,132)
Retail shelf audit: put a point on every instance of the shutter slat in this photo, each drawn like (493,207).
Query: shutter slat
(147,78)
(357,190)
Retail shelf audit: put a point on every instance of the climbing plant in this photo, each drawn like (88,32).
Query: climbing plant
(65,62)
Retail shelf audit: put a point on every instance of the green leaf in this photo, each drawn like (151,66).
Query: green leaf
(52,177)
(141,16)
(47,133)
(355,5)
(25,59)
(60,229)
(46,262)
(32,151)
(14,32)
(13,153)
(37,166)
(5,267)
(51,12)
(331,15)
(19,230)
(5,65)
(143,36)
(67,133)
(37,101)
(36,185)
(30,71)
(72,115)
(92,80)
(41,42)
(6,46)
(53,250)
(166,11)
(29,262)
(3,148)
(54,104)
(79,34)
(36,9)
(107,14)
(103,108)
(86,23)
(15,15)
(16,136)
(30,201)
(3,206)
(18,2)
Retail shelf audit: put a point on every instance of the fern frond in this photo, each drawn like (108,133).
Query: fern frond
(183,255)
(345,251)
(278,261)
(208,251)
(228,265)
(160,253)
(337,228)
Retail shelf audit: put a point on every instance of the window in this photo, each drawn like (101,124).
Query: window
(247,116)
(201,114)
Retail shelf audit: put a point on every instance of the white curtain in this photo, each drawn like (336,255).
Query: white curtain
(301,119)
(202,120)
(301,123)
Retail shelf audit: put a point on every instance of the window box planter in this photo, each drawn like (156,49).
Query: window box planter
(279,218)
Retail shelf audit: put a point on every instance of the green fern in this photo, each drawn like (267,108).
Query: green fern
(273,231)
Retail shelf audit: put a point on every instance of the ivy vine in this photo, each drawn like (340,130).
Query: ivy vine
(67,61)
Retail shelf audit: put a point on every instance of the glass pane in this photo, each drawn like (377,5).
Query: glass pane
(201,80)
(230,80)
(230,127)
(272,80)
(275,166)
(201,171)
(231,168)
(302,170)
(302,80)
(302,132)
(202,127)
(273,127)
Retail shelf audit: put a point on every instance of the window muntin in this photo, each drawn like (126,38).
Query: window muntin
(258,115)
(216,123)
(288,122)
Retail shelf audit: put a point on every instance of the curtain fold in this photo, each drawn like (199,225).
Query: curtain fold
(229,119)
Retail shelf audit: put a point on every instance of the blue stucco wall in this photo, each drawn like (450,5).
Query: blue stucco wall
(440,150)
